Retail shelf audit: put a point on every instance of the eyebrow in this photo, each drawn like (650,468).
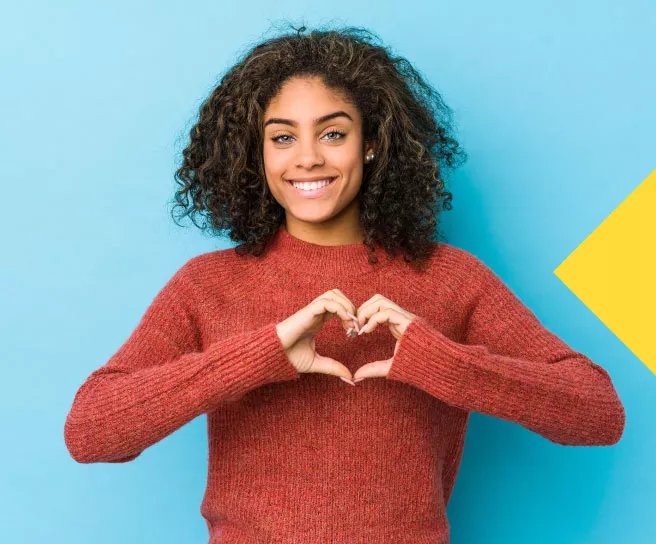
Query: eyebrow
(316,121)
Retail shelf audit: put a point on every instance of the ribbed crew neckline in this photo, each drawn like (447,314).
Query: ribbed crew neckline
(296,255)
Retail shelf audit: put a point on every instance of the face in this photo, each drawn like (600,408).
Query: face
(312,133)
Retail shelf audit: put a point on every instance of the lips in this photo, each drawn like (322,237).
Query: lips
(313,193)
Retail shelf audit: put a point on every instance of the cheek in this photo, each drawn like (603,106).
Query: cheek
(348,157)
(274,163)
(350,163)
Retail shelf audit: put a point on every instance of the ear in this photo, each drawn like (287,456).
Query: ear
(370,147)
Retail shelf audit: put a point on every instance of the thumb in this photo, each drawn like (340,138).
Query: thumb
(326,365)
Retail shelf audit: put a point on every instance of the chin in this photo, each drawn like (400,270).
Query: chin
(307,216)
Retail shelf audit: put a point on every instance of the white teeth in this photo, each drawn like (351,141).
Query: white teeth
(312,185)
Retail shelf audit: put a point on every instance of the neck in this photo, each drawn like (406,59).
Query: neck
(340,230)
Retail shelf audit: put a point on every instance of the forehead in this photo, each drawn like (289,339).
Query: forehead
(305,98)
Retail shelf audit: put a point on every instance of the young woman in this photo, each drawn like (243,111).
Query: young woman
(323,154)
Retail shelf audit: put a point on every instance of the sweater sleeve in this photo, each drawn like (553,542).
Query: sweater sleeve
(159,379)
(511,367)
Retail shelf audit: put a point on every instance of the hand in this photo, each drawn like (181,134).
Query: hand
(297,333)
(377,310)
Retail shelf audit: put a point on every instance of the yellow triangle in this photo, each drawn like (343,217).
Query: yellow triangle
(613,271)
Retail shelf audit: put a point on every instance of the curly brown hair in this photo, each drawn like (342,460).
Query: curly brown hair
(222,176)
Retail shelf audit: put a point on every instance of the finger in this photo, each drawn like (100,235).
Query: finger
(374,304)
(339,295)
(371,299)
(369,308)
(333,307)
(377,369)
(336,294)
(327,365)
(384,316)
(347,302)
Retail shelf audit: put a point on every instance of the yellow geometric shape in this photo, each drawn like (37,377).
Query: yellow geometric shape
(613,271)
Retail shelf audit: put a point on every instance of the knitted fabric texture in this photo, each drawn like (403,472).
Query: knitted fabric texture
(304,457)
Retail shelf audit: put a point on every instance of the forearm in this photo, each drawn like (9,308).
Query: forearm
(117,414)
(568,399)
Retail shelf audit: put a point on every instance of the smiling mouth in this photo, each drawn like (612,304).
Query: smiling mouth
(330,180)
(313,193)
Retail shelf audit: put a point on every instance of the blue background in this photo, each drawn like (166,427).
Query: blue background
(554,101)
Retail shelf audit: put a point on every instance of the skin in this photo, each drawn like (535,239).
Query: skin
(304,148)
(315,149)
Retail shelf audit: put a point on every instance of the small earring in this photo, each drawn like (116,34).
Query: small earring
(369,157)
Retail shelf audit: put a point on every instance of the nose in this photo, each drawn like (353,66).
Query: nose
(309,155)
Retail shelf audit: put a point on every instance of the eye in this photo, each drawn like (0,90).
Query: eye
(277,138)
(340,134)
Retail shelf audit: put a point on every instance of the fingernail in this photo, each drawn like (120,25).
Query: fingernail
(357,380)
(363,329)
(352,316)
(348,332)
(345,380)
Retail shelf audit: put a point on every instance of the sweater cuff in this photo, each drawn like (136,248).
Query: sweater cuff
(252,359)
(429,360)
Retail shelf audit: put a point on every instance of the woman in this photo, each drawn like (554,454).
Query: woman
(324,155)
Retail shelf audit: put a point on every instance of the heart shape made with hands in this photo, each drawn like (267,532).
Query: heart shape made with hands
(379,310)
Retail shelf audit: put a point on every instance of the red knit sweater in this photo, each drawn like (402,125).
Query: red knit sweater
(308,458)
